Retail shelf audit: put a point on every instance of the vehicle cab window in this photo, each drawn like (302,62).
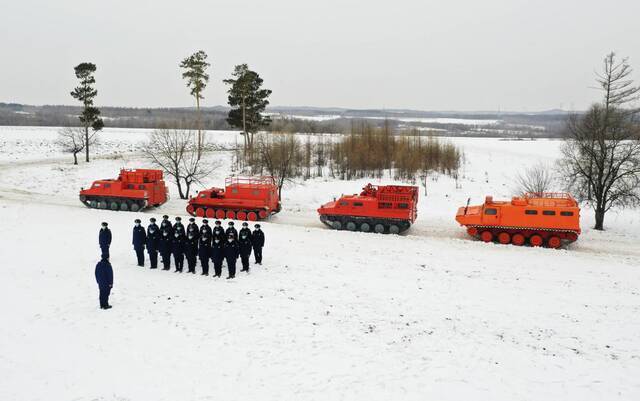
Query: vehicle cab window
(490,211)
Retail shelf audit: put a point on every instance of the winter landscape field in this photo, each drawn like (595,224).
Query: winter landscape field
(330,315)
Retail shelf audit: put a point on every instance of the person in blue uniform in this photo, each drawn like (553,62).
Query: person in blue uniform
(204,250)
(217,255)
(257,240)
(205,228)
(231,230)
(139,240)
(244,242)
(177,248)
(104,278)
(218,231)
(231,252)
(165,248)
(179,227)
(192,227)
(153,239)
(104,239)
(165,224)
(191,250)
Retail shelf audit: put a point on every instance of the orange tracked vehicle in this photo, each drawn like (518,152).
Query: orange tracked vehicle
(134,189)
(548,219)
(389,209)
(251,198)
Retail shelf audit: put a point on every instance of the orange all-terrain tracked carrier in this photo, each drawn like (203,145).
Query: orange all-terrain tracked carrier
(133,190)
(250,198)
(387,209)
(547,219)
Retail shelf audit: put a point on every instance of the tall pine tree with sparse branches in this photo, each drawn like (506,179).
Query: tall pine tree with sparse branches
(85,93)
(195,73)
(248,100)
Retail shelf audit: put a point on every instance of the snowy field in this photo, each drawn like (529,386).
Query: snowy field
(330,315)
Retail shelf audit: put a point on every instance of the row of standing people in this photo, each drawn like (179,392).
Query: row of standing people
(192,243)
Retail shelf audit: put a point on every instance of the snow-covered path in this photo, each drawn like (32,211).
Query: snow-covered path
(330,315)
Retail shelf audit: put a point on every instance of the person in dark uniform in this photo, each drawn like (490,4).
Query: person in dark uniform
(191,250)
(165,248)
(179,227)
(231,252)
(104,278)
(231,230)
(217,255)
(177,248)
(244,242)
(139,240)
(204,250)
(166,224)
(153,242)
(218,231)
(192,227)
(257,240)
(206,228)
(104,239)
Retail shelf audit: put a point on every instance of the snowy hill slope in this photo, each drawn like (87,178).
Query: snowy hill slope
(330,315)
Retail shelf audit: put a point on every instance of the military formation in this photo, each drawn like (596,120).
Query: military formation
(173,242)
(177,243)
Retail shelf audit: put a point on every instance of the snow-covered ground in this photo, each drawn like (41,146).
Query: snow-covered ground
(330,315)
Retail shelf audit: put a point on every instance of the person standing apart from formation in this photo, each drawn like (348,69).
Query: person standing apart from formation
(165,248)
(177,248)
(104,239)
(139,240)
(244,243)
(104,278)
(257,240)
(153,239)
(217,255)
(231,252)
(204,250)
(191,250)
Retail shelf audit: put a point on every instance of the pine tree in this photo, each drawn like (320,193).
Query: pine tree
(247,100)
(85,93)
(195,74)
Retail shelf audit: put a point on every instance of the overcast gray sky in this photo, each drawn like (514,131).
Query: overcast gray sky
(433,55)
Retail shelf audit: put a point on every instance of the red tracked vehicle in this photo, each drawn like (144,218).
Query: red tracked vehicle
(541,219)
(251,198)
(134,189)
(389,209)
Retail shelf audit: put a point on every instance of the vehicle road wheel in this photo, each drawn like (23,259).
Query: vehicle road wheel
(379,228)
(102,205)
(242,216)
(486,236)
(190,209)
(114,206)
(220,214)
(365,227)
(337,225)
(200,212)
(263,214)
(124,206)
(93,204)
(554,242)
(504,238)
(135,207)
(393,229)
(472,231)
(517,239)
(536,240)
(351,226)
(252,216)
(210,213)
(231,214)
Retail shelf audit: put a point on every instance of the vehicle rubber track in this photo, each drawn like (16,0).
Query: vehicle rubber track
(233,214)
(549,237)
(113,203)
(365,224)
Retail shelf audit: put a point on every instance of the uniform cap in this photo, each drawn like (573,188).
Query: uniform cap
(245,224)
(218,222)
(178,218)
(231,223)
(153,219)
(191,219)
(165,217)
(104,224)
(257,226)
(205,220)
(137,221)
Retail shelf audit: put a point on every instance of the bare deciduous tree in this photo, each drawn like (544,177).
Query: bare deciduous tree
(536,179)
(72,140)
(601,153)
(277,155)
(179,153)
